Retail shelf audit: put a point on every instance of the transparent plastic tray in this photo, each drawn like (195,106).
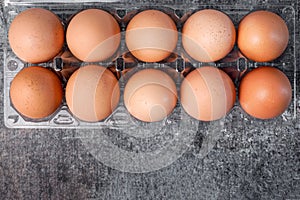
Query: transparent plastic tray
(123,62)
(171,137)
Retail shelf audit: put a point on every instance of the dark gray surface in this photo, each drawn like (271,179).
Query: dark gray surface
(259,160)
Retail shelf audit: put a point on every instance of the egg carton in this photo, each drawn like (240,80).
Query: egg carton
(122,63)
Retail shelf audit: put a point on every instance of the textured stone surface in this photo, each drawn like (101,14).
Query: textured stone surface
(251,160)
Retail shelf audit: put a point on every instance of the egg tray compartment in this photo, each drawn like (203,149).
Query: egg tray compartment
(177,65)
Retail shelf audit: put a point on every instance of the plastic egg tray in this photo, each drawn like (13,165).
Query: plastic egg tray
(123,63)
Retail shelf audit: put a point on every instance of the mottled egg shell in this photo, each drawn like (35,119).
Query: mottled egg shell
(93,35)
(265,92)
(36,35)
(207,94)
(151,36)
(92,93)
(36,92)
(150,95)
(208,35)
(262,36)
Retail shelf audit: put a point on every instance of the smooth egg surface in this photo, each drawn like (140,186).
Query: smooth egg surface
(207,93)
(150,95)
(93,35)
(262,36)
(151,36)
(36,92)
(265,92)
(92,93)
(36,35)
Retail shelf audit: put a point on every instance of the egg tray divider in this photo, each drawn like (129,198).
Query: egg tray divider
(122,61)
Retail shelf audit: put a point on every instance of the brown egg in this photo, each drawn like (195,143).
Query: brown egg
(262,36)
(92,93)
(207,94)
(36,35)
(265,92)
(151,36)
(150,95)
(93,35)
(36,92)
(208,35)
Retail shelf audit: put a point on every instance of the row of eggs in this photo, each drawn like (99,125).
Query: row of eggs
(37,35)
(92,93)
(207,93)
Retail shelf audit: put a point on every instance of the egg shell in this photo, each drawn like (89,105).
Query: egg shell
(265,92)
(36,92)
(150,95)
(151,36)
(262,36)
(92,93)
(208,35)
(207,94)
(93,35)
(36,35)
